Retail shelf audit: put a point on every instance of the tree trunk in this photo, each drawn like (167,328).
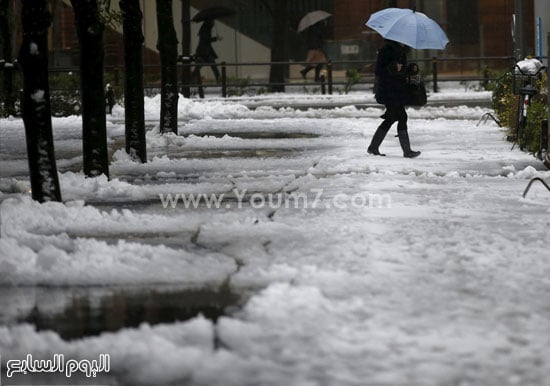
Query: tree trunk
(94,131)
(36,20)
(548,99)
(133,86)
(167,45)
(186,47)
(279,51)
(56,34)
(6,42)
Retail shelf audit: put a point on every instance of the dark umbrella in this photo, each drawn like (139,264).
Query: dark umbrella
(312,18)
(212,13)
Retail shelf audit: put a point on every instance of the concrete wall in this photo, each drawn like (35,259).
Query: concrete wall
(234,47)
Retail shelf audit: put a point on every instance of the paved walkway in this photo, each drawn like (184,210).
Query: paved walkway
(429,272)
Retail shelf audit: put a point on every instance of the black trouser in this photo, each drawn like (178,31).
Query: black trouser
(393,114)
(213,66)
(318,69)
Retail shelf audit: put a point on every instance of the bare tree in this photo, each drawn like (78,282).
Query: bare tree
(90,27)
(6,55)
(279,46)
(186,47)
(167,45)
(133,86)
(36,20)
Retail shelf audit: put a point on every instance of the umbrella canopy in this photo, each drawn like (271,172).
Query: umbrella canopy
(312,18)
(409,27)
(212,13)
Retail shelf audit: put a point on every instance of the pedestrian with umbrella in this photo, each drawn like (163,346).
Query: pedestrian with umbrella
(310,24)
(403,29)
(204,52)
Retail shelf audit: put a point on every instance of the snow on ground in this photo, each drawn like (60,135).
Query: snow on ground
(359,269)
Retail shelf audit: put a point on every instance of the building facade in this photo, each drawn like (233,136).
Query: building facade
(476,28)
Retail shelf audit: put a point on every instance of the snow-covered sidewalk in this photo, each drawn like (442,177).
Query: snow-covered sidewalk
(357,270)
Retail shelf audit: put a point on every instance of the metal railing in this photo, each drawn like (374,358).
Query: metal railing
(435,71)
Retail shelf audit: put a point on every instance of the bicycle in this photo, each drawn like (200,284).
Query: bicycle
(523,86)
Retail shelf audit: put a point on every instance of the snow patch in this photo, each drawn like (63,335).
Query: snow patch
(38,96)
(33,49)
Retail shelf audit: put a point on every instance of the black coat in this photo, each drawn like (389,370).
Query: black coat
(391,83)
(204,50)
(314,38)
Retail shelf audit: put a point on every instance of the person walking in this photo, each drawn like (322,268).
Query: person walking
(391,72)
(109,98)
(204,52)
(315,52)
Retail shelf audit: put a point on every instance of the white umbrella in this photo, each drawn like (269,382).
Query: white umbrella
(409,27)
(312,18)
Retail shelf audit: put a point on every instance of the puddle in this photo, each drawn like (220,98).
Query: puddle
(178,152)
(255,134)
(171,240)
(88,314)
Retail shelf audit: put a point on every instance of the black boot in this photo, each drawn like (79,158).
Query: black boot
(305,71)
(378,137)
(406,145)
(318,73)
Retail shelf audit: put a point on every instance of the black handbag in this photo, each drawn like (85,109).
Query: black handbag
(416,91)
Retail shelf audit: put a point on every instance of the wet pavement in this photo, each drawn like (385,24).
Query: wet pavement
(76,312)
(92,311)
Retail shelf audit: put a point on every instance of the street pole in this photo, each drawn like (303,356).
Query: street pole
(518,29)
